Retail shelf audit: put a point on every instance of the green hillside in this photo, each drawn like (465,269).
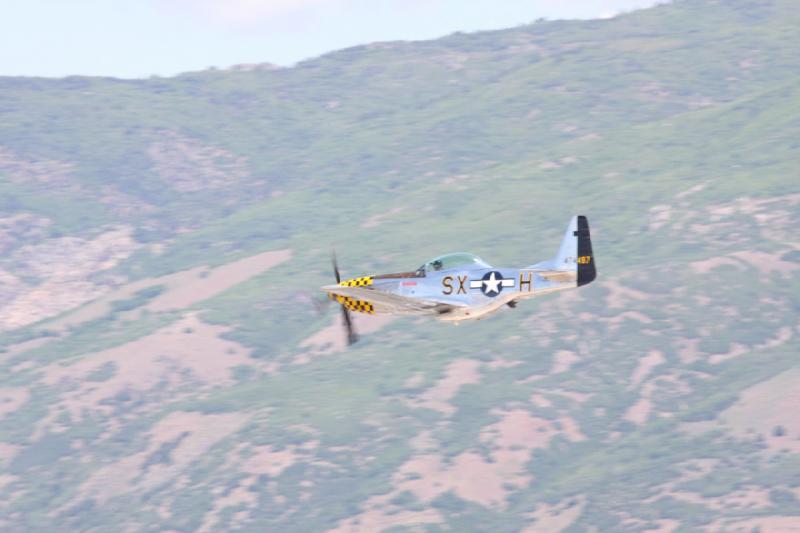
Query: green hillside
(164,367)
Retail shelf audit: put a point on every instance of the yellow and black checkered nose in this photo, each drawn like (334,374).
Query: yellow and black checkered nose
(357,282)
(359,306)
(354,304)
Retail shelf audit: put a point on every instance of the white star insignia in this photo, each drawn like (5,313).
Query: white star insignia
(492,284)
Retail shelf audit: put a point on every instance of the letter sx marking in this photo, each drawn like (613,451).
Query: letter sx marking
(447,283)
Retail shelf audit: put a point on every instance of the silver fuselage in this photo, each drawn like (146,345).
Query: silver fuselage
(466,289)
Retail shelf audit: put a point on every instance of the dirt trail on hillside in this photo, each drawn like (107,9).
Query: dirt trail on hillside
(182,289)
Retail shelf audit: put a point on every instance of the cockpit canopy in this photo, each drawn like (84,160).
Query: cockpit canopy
(451,261)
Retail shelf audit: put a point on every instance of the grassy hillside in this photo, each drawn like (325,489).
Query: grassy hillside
(164,368)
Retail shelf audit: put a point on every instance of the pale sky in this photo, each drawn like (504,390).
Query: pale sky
(139,38)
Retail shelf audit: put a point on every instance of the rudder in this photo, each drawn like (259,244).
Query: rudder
(587,271)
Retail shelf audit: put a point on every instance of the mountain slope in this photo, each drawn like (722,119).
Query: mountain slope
(163,241)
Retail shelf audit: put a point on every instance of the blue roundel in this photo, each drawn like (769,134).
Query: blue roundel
(492,283)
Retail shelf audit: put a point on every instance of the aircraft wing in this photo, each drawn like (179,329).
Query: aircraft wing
(386,302)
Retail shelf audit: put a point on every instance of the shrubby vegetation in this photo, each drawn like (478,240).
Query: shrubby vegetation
(485,142)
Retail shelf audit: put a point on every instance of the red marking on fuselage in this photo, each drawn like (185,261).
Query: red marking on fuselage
(409,283)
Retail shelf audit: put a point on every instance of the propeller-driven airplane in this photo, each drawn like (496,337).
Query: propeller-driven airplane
(462,286)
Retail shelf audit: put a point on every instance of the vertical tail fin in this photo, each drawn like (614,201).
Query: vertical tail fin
(567,252)
(575,253)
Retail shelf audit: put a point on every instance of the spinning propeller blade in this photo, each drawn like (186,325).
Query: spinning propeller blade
(335,267)
(352,337)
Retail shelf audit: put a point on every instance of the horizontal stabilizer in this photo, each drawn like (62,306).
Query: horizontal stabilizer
(558,275)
